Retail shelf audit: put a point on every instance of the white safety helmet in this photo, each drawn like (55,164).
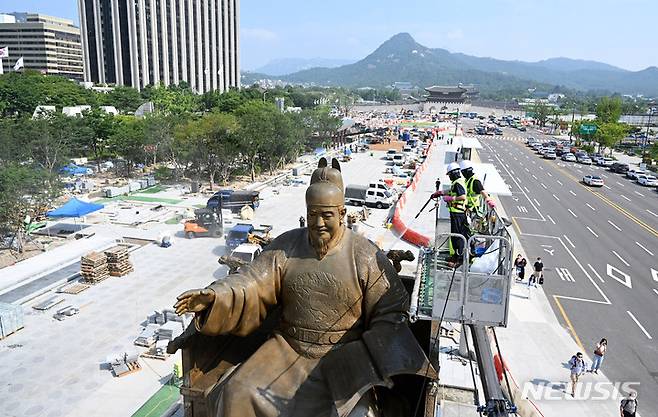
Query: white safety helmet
(452,166)
(465,164)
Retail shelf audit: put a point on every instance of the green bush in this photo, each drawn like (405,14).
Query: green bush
(588,148)
(163,174)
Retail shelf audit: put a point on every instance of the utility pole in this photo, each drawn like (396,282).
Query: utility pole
(646,136)
(456,121)
(573,117)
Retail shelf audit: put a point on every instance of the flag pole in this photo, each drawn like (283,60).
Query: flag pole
(2,70)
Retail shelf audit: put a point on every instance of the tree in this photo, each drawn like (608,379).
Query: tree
(608,110)
(210,144)
(21,92)
(24,191)
(256,120)
(173,99)
(128,141)
(609,134)
(124,99)
(541,112)
(97,128)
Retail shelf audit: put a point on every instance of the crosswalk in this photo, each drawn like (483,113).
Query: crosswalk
(505,138)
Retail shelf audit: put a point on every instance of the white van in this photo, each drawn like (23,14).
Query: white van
(380,185)
(378,198)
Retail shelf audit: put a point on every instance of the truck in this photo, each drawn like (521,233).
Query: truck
(241,232)
(362,195)
(233,200)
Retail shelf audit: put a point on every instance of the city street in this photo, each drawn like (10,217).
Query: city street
(599,249)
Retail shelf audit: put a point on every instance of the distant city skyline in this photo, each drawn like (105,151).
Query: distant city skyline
(620,33)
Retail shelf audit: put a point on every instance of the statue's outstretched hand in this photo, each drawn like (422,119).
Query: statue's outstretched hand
(194,301)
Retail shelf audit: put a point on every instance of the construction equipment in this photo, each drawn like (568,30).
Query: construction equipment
(207,222)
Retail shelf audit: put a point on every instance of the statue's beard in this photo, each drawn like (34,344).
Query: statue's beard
(322,245)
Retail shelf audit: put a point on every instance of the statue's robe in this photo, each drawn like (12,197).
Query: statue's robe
(343,329)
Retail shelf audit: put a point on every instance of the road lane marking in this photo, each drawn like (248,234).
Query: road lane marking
(618,183)
(595,273)
(639,325)
(570,242)
(588,205)
(556,197)
(522,209)
(655,290)
(607,187)
(569,325)
(541,167)
(572,193)
(549,174)
(538,205)
(558,181)
(614,225)
(564,274)
(544,186)
(645,249)
(550,218)
(625,278)
(526,188)
(620,258)
(654,274)
(604,176)
(527,169)
(624,197)
(592,232)
(572,213)
(652,213)
(639,193)
(534,176)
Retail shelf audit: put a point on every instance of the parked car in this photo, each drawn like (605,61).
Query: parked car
(498,131)
(593,180)
(390,153)
(550,155)
(647,180)
(569,157)
(633,173)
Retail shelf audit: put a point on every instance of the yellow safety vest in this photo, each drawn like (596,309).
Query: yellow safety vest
(472,198)
(457,206)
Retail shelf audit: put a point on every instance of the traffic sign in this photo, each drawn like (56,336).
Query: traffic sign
(587,129)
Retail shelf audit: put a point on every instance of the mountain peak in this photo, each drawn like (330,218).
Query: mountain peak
(402,42)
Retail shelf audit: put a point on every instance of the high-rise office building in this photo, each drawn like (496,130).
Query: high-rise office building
(148,42)
(47,44)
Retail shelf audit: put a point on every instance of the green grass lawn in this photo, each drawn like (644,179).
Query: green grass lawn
(152,190)
(159,402)
(142,198)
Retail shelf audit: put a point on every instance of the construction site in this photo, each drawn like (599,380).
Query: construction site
(90,320)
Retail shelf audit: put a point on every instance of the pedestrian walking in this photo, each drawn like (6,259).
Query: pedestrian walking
(437,184)
(537,274)
(577,367)
(628,406)
(302,221)
(520,264)
(599,354)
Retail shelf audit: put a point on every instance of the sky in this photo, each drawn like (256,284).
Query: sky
(618,32)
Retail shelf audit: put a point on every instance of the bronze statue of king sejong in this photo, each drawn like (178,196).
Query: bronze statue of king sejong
(340,332)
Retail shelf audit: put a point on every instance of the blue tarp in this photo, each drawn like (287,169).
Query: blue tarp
(75,208)
(320,151)
(72,169)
